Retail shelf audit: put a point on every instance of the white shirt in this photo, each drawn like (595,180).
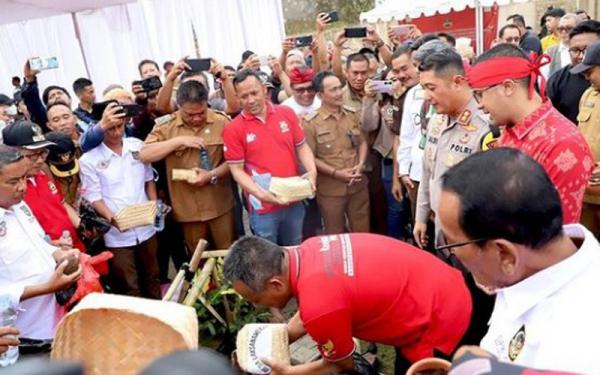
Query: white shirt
(120,181)
(301,110)
(558,308)
(26,260)
(409,154)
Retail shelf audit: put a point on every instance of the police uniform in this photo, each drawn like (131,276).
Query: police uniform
(448,142)
(203,211)
(589,119)
(335,140)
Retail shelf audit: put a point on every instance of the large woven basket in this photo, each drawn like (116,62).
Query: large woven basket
(291,189)
(114,334)
(137,215)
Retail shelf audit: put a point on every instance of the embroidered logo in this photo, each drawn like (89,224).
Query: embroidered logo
(516,344)
(328,349)
(283,126)
(250,137)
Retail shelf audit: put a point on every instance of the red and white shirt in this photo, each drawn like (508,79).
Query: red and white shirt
(380,290)
(265,147)
(558,145)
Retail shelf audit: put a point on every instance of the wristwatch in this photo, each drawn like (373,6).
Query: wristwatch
(213,178)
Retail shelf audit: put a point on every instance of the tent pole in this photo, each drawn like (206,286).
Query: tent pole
(478,27)
(78,36)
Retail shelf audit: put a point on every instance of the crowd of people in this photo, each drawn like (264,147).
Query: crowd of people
(450,190)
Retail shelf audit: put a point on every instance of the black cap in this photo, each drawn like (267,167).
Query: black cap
(25,134)
(62,157)
(591,59)
(5,100)
(266,80)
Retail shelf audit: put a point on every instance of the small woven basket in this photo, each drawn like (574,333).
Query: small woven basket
(112,334)
(136,215)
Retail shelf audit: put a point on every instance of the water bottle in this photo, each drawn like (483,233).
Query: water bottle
(8,317)
(205,162)
(159,220)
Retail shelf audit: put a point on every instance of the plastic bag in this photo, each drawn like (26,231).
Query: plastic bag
(89,282)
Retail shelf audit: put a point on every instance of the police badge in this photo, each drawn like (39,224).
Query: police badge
(516,344)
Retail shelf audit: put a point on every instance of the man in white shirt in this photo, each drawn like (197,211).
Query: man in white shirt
(414,119)
(560,53)
(304,99)
(28,263)
(112,178)
(502,219)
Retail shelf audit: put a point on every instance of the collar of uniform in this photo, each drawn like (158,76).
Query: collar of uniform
(210,118)
(325,113)
(10,210)
(107,153)
(521,297)
(250,116)
(467,114)
(523,127)
(354,95)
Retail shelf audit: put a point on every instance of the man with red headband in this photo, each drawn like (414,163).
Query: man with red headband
(303,100)
(503,80)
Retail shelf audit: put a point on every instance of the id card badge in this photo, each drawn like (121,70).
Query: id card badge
(423,141)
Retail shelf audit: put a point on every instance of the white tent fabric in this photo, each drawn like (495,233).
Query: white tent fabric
(115,39)
(398,10)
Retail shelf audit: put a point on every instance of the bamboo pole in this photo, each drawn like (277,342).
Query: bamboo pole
(199,282)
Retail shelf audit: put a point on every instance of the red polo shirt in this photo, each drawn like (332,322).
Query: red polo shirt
(45,201)
(380,290)
(558,145)
(265,147)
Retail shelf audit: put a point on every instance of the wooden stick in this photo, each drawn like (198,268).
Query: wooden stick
(199,282)
(212,310)
(174,285)
(215,254)
(193,267)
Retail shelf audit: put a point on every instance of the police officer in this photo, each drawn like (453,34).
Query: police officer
(202,203)
(333,133)
(588,119)
(456,131)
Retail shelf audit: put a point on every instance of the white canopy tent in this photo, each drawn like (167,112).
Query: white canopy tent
(388,10)
(106,43)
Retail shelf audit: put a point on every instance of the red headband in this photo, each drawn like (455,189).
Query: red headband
(301,75)
(498,69)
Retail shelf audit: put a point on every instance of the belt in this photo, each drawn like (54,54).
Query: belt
(388,162)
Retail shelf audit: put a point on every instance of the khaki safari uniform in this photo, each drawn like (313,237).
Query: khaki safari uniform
(335,140)
(448,142)
(589,124)
(203,211)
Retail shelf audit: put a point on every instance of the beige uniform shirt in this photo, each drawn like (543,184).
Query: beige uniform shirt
(334,139)
(449,141)
(191,203)
(589,124)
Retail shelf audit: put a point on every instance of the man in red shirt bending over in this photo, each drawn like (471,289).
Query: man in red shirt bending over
(359,285)
(503,81)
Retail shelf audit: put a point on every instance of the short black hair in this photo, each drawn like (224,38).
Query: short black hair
(449,37)
(422,40)
(356,57)
(9,155)
(253,260)
(509,26)
(505,49)
(517,19)
(147,61)
(229,67)
(369,53)
(80,84)
(402,50)
(57,104)
(317,82)
(244,74)
(16,78)
(167,63)
(555,12)
(517,202)
(47,90)
(191,92)
(443,62)
(586,27)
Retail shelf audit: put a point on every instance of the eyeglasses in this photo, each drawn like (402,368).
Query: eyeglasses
(37,155)
(478,94)
(577,51)
(564,29)
(448,250)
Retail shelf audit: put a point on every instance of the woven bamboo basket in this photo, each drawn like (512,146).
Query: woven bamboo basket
(291,189)
(137,215)
(114,334)
(183,175)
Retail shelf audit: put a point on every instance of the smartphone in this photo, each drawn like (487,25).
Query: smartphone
(402,31)
(355,32)
(303,41)
(333,16)
(199,65)
(131,110)
(151,84)
(384,87)
(99,108)
(38,63)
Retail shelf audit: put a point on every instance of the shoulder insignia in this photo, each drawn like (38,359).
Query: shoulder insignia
(163,119)
(465,117)
(310,116)
(221,113)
